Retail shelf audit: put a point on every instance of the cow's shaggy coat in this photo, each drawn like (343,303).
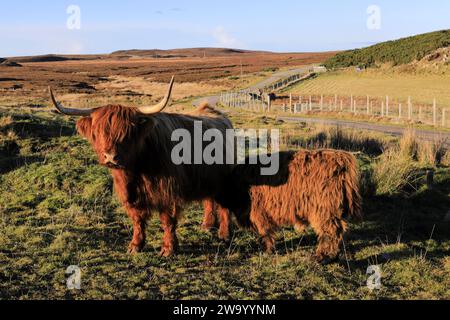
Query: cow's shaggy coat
(145,177)
(316,188)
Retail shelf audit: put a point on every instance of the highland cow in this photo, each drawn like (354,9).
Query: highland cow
(136,144)
(316,188)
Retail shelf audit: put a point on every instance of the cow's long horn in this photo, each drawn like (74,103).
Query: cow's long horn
(69,111)
(160,106)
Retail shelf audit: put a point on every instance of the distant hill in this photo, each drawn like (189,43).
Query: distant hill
(53,58)
(396,52)
(182,53)
(136,54)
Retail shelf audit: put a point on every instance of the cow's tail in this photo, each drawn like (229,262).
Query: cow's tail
(353,201)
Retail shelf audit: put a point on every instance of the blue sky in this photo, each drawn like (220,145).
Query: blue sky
(40,27)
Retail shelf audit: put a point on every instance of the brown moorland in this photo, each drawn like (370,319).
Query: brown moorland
(28,77)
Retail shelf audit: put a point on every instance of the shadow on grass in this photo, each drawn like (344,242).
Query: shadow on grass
(30,126)
(12,163)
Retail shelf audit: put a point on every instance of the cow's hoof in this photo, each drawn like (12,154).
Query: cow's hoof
(166,252)
(135,249)
(207,227)
(224,236)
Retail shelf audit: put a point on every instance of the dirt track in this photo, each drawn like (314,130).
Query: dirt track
(213,100)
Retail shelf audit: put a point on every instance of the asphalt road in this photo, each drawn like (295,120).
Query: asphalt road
(428,135)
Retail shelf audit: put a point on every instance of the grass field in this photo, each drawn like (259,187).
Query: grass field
(57,209)
(422,88)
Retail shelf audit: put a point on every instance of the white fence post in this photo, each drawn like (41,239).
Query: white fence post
(290,101)
(368,105)
(387,106)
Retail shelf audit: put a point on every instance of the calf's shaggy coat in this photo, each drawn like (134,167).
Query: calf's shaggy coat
(316,188)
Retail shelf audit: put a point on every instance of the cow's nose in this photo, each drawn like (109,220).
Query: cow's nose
(111,158)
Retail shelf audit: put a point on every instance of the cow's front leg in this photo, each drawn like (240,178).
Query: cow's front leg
(170,240)
(138,241)
(224,228)
(209,216)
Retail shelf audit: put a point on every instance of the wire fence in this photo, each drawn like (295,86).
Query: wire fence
(384,107)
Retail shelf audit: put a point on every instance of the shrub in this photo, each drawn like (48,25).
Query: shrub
(397,52)
(394,171)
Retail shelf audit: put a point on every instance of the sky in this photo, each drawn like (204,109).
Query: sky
(103,26)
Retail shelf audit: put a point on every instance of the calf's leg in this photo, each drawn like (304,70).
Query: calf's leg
(330,233)
(264,228)
(224,220)
(209,216)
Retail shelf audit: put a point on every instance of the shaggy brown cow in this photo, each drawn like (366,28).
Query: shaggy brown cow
(317,188)
(135,144)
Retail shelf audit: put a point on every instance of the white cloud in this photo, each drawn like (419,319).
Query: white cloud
(224,39)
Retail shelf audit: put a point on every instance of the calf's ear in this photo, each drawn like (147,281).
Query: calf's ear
(84,127)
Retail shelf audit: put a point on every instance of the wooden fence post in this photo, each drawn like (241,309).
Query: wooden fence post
(399,110)
(268,103)
(321,102)
(382,108)
(351,103)
(409,108)
(310,103)
(290,101)
(342,105)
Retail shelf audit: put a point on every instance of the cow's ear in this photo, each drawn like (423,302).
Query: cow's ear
(84,127)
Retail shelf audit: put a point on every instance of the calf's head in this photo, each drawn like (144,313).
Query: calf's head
(115,132)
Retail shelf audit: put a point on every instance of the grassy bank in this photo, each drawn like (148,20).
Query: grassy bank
(422,88)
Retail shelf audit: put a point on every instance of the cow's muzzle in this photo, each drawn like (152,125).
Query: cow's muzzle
(111,160)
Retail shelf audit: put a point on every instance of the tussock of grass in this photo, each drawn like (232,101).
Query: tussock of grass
(394,171)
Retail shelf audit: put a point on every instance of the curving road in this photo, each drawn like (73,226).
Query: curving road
(428,135)
(213,100)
